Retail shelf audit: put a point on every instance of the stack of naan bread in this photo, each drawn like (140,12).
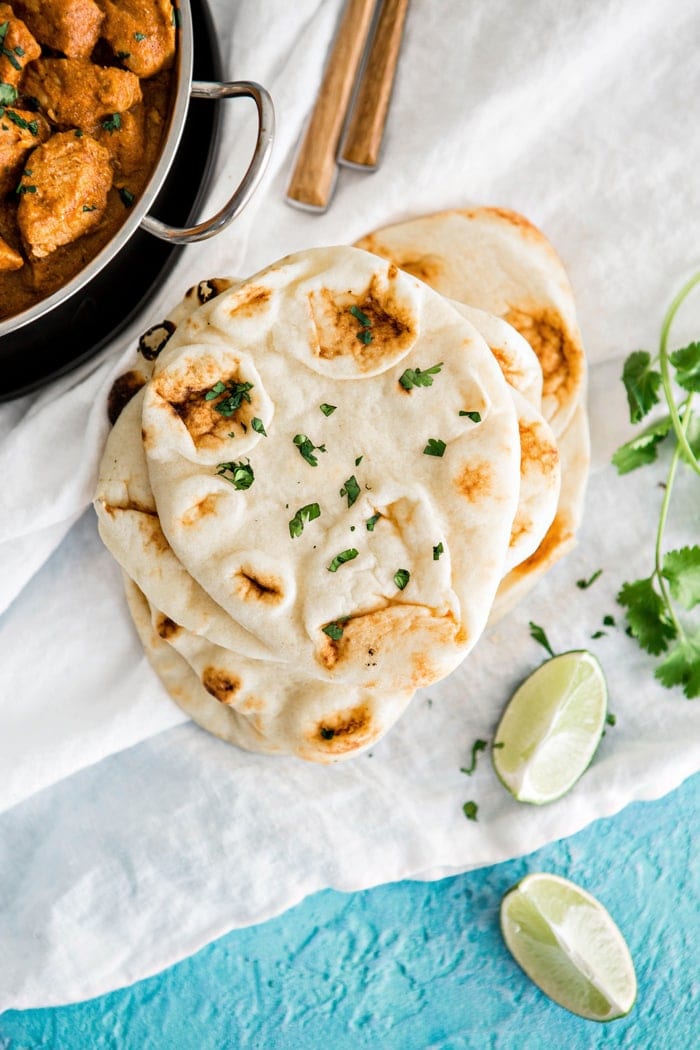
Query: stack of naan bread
(327,478)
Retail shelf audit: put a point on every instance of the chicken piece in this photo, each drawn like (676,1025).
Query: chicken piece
(9,258)
(132,140)
(70,26)
(17,46)
(72,177)
(77,93)
(141,33)
(20,133)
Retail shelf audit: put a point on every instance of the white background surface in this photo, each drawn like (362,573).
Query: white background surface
(583,119)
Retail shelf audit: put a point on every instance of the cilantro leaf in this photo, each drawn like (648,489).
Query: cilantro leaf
(435,447)
(341,558)
(682,667)
(478,745)
(308,513)
(470,810)
(351,489)
(647,615)
(360,316)
(239,474)
(8,94)
(419,376)
(682,570)
(585,584)
(258,426)
(538,634)
(438,549)
(306,448)
(335,629)
(686,361)
(474,416)
(641,383)
(327,410)
(371,522)
(401,578)
(642,448)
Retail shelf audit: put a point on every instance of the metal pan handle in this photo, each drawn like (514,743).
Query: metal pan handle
(249,182)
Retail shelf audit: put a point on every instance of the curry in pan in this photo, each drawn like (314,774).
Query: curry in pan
(85,88)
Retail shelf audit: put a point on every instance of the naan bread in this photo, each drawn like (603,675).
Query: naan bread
(222,554)
(496,260)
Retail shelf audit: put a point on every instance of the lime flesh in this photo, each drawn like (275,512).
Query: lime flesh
(551,728)
(567,944)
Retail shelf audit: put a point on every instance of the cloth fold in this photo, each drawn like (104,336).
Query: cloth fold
(577,117)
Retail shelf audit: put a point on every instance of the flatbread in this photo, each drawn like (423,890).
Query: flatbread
(496,260)
(231,556)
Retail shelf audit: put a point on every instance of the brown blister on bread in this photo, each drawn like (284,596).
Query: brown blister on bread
(520,526)
(392,325)
(560,356)
(507,364)
(204,509)
(206,290)
(167,628)
(123,389)
(474,481)
(249,301)
(368,636)
(346,730)
(536,449)
(253,585)
(222,685)
(558,539)
(186,393)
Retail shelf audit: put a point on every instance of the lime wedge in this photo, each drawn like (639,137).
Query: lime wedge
(566,943)
(551,727)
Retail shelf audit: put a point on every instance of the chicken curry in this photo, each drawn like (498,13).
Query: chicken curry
(85,89)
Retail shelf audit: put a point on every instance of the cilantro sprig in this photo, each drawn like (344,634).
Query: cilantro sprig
(650,602)
(419,376)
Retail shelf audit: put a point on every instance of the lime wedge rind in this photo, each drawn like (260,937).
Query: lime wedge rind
(581,962)
(550,730)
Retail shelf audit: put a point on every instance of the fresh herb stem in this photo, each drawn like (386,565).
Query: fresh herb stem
(664,367)
(663,514)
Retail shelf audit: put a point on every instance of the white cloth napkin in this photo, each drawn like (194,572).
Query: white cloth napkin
(150,838)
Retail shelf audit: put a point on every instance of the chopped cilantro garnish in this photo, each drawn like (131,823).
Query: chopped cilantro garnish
(609,621)
(237,394)
(610,719)
(121,55)
(306,449)
(361,317)
(478,745)
(328,410)
(239,474)
(351,489)
(127,197)
(139,37)
(401,578)
(8,94)
(435,447)
(327,733)
(538,634)
(598,634)
(258,426)
(583,584)
(371,522)
(341,558)
(26,125)
(334,630)
(359,460)
(24,188)
(437,551)
(474,416)
(112,123)
(308,513)
(419,377)
(365,336)
(470,810)
(89,207)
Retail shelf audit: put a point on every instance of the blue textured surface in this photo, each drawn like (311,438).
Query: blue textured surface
(418,965)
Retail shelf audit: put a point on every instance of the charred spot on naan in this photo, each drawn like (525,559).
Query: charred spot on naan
(366,636)
(388,328)
(123,389)
(536,448)
(559,539)
(249,301)
(427,268)
(475,481)
(208,506)
(222,685)
(204,291)
(166,628)
(154,340)
(521,525)
(190,395)
(254,585)
(345,730)
(559,353)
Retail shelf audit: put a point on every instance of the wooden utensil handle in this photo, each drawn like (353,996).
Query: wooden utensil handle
(364,135)
(312,180)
